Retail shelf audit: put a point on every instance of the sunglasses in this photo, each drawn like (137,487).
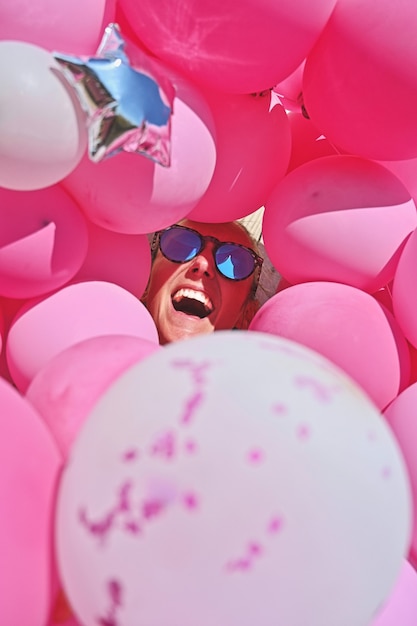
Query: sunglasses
(181,244)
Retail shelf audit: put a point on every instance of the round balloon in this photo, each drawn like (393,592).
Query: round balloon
(202,39)
(253,150)
(401,605)
(360,79)
(76,312)
(30,469)
(400,415)
(344,324)
(198,482)
(132,194)
(67,387)
(341,218)
(404,291)
(36,110)
(43,241)
(116,258)
(74,27)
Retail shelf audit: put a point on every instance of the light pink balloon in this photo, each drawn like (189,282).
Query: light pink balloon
(43,241)
(400,609)
(65,390)
(199,486)
(344,324)
(360,79)
(290,90)
(73,27)
(239,46)
(117,258)
(341,218)
(43,133)
(76,312)
(307,142)
(253,150)
(131,194)
(401,416)
(404,290)
(30,465)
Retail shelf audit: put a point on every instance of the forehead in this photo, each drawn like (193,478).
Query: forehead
(229,231)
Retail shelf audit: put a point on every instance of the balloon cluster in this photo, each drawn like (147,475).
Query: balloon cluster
(246,477)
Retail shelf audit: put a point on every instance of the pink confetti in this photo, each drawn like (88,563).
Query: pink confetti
(386,472)
(190,446)
(191,406)
(198,370)
(255,549)
(280,409)
(190,501)
(255,456)
(164,445)
(130,455)
(275,525)
(322,393)
(152,508)
(114,590)
(303,432)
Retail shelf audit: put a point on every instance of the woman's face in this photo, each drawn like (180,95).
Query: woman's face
(193,298)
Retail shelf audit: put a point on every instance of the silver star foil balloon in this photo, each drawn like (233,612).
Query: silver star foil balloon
(127,109)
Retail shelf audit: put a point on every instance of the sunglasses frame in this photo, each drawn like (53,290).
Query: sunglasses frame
(156,244)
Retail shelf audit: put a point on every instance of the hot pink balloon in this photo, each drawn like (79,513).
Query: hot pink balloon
(117,258)
(253,150)
(131,194)
(307,142)
(30,466)
(341,218)
(76,312)
(74,26)
(400,609)
(84,371)
(360,79)
(43,241)
(404,290)
(240,46)
(43,133)
(401,416)
(344,324)
(406,171)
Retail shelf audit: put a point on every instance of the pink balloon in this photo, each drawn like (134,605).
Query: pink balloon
(65,390)
(290,90)
(341,218)
(43,241)
(76,312)
(253,149)
(30,467)
(404,290)
(400,609)
(401,416)
(360,79)
(240,46)
(73,27)
(43,133)
(307,142)
(344,324)
(117,258)
(406,171)
(131,194)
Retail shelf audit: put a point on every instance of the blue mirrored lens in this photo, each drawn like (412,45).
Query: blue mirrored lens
(180,245)
(234,262)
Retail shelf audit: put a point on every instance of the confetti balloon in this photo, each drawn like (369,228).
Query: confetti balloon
(200,492)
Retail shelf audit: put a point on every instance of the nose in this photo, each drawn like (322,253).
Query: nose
(202,265)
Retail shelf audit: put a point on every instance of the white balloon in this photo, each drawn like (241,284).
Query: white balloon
(42,128)
(233,478)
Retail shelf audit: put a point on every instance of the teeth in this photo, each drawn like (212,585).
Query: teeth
(193,295)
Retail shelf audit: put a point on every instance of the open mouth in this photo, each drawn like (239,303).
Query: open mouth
(192,302)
